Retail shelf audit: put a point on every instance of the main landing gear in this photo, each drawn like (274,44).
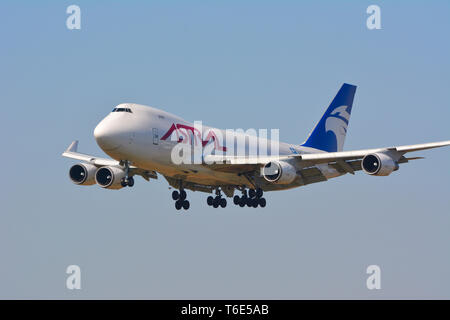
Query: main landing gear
(128,180)
(253,199)
(180,199)
(217,200)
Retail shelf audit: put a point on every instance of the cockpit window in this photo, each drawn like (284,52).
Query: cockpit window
(122,110)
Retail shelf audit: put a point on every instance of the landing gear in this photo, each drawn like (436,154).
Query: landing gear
(262,202)
(130,181)
(179,195)
(253,199)
(127,182)
(217,201)
(182,204)
(180,199)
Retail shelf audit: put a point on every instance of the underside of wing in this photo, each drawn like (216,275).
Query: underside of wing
(343,161)
(239,164)
(72,153)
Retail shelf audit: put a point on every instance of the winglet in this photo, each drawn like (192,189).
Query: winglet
(73,147)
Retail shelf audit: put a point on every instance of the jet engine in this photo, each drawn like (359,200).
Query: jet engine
(83,174)
(279,172)
(110,177)
(378,164)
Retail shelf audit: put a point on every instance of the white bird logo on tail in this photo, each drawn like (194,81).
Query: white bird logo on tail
(337,122)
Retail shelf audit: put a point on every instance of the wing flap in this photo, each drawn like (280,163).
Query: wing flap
(311,175)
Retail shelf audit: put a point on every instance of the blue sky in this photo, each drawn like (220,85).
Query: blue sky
(233,64)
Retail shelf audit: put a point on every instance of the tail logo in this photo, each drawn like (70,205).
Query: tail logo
(337,123)
(329,134)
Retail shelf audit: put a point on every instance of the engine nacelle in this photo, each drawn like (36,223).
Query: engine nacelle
(378,164)
(279,172)
(83,174)
(110,177)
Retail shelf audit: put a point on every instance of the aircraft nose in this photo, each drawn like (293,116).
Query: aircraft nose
(106,136)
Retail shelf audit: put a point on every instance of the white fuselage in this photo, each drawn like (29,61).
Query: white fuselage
(146,136)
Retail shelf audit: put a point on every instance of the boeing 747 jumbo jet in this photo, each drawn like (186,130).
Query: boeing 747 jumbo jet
(146,141)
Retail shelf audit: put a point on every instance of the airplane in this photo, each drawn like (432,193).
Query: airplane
(141,139)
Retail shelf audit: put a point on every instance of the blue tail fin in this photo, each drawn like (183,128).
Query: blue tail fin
(329,133)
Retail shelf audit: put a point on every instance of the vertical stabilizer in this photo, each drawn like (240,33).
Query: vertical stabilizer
(329,134)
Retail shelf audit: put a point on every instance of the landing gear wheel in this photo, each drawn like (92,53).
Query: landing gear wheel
(185,204)
(123,182)
(262,202)
(215,203)
(236,200)
(223,202)
(130,181)
(183,194)
(210,200)
(175,195)
(251,193)
(259,193)
(178,204)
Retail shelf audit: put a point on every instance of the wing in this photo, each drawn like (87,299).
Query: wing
(348,161)
(72,153)
(396,152)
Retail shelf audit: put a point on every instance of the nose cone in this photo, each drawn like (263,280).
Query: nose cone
(106,136)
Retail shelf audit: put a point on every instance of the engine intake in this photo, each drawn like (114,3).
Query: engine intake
(279,172)
(83,174)
(378,164)
(110,177)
